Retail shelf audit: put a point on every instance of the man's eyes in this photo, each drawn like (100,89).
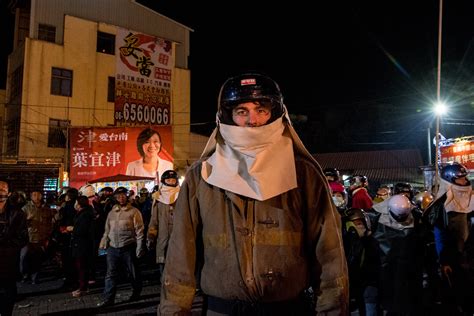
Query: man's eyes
(262,111)
(241,112)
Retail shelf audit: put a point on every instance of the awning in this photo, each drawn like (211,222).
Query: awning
(120,178)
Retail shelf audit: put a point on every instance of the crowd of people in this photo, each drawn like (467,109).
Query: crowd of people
(72,229)
(408,252)
(257,226)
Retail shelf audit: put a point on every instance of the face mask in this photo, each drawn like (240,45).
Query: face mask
(338,201)
(399,218)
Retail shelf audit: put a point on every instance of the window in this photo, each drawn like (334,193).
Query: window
(47,33)
(57,134)
(61,82)
(111,90)
(106,43)
(16,82)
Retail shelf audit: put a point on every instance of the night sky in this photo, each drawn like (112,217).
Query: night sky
(346,55)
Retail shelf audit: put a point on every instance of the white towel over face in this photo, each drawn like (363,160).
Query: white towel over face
(257,162)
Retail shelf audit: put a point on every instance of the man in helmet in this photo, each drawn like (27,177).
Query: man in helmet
(423,199)
(404,188)
(123,238)
(144,202)
(450,213)
(258,210)
(362,260)
(338,191)
(358,188)
(399,234)
(161,223)
(383,193)
(67,212)
(332,174)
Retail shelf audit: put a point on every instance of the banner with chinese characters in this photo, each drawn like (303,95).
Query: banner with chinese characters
(98,152)
(144,66)
(458,149)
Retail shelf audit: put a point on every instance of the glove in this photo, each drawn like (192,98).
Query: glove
(446,270)
(140,253)
(150,244)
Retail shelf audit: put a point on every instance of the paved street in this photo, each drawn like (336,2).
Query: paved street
(48,297)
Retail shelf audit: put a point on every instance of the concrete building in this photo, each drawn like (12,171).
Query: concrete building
(61,74)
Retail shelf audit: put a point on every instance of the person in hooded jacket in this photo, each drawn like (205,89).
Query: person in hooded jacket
(450,215)
(362,257)
(161,224)
(399,234)
(265,227)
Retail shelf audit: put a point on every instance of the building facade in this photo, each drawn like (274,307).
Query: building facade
(61,74)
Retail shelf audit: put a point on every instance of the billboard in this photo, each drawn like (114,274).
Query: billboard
(459,150)
(144,66)
(98,152)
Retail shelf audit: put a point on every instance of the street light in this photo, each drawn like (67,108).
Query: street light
(439,105)
(439,109)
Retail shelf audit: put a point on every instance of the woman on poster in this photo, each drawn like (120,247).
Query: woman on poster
(150,164)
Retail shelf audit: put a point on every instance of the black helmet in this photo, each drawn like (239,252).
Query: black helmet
(358,181)
(106,190)
(353,214)
(404,187)
(250,87)
(332,172)
(453,171)
(121,190)
(169,174)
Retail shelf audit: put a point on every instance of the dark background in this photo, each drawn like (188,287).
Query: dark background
(361,75)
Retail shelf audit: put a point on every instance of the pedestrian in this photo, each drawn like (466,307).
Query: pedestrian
(161,224)
(399,233)
(123,239)
(360,198)
(82,243)
(451,215)
(13,236)
(255,217)
(39,220)
(67,212)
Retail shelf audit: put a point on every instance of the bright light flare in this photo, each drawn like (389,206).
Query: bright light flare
(440,108)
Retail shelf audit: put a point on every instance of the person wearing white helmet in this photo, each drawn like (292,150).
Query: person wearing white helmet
(399,233)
